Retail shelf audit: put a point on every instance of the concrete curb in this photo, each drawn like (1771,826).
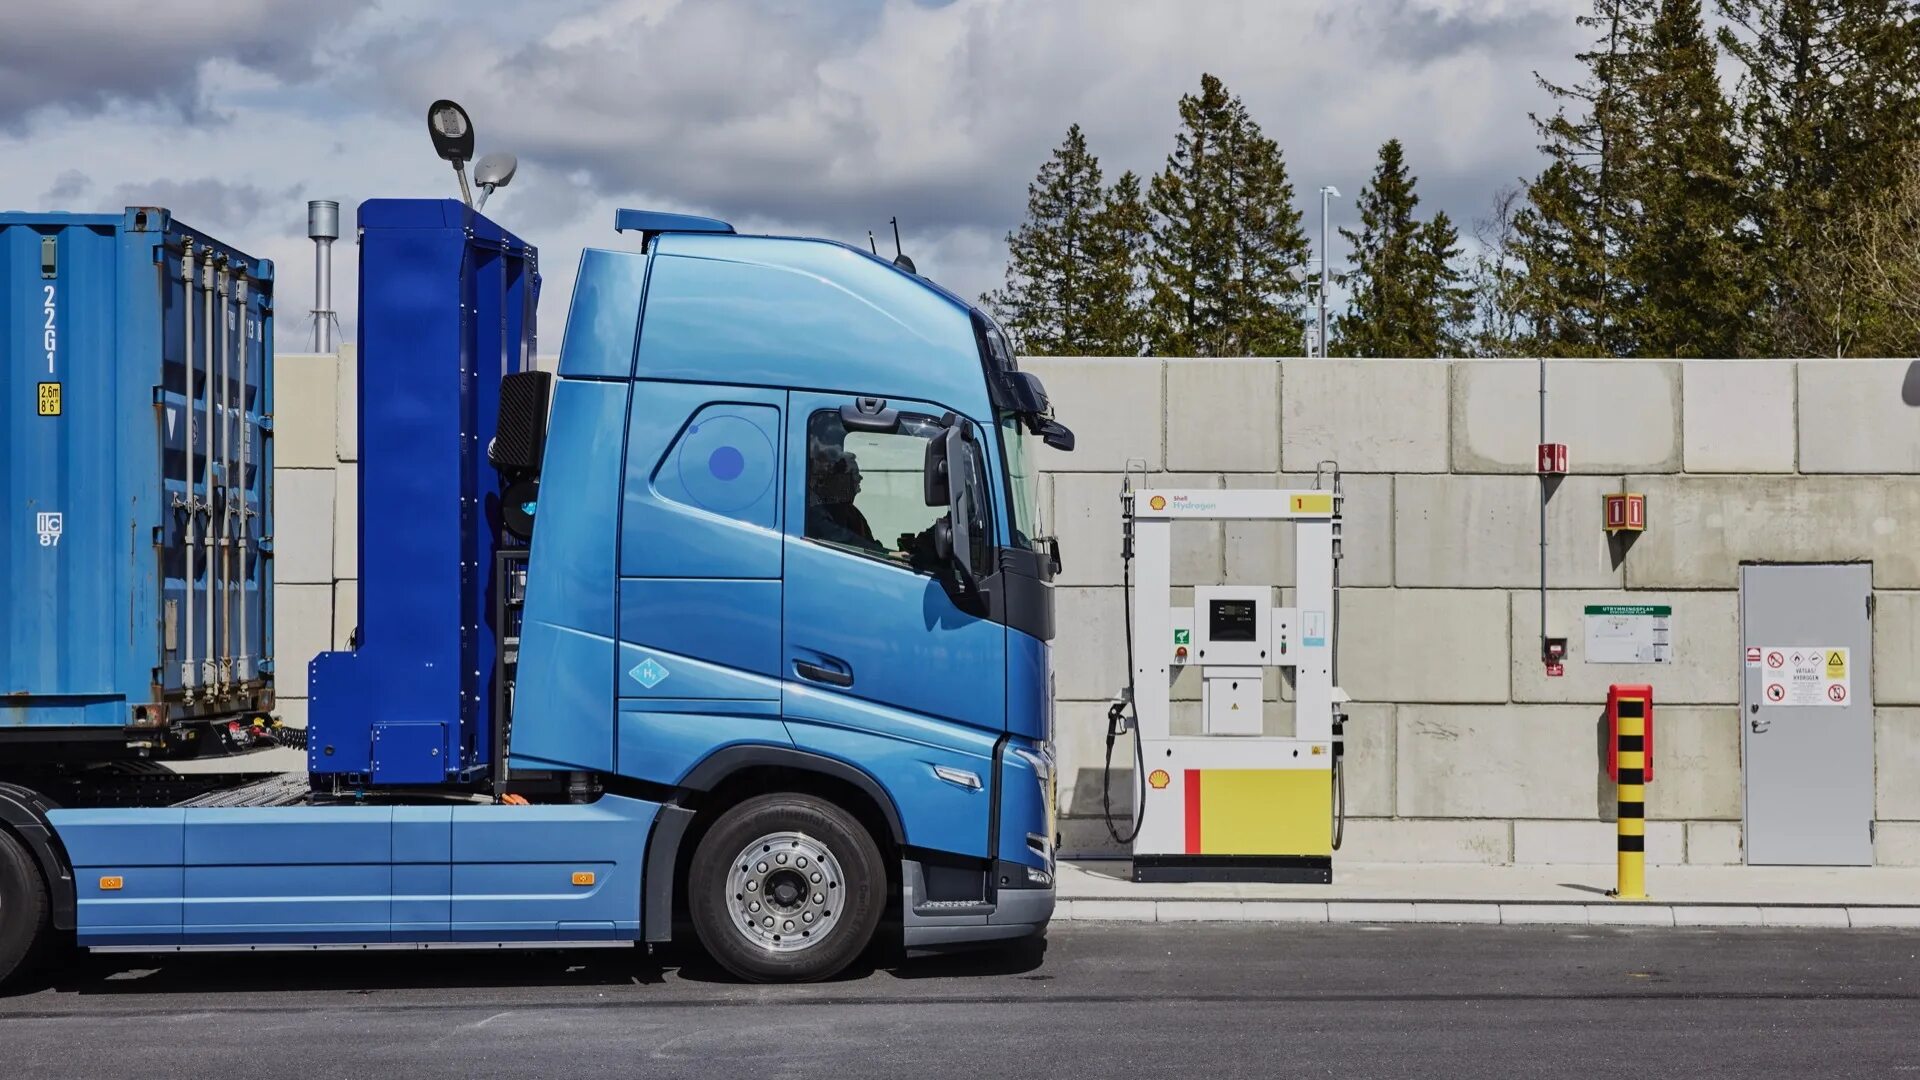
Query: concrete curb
(1486,913)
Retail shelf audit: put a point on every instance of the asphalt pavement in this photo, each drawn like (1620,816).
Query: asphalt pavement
(1105,1001)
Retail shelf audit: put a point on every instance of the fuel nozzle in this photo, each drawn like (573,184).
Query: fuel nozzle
(1119,722)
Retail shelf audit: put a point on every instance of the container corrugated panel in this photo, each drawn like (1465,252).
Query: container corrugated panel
(136,465)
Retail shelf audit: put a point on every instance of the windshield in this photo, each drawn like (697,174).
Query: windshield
(1023,485)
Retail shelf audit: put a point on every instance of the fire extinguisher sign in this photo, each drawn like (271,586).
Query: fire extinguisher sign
(1806,676)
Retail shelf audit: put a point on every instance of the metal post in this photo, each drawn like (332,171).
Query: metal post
(1546,482)
(243,664)
(226,482)
(207,673)
(1326,193)
(189,673)
(1632,813)
(323,228)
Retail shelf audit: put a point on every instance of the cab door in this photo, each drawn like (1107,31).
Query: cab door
(881,666)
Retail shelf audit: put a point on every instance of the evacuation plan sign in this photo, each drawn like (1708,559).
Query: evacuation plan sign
(1629,634)
(1805,675)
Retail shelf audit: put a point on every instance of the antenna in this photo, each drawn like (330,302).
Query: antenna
(871,246)
(900,257)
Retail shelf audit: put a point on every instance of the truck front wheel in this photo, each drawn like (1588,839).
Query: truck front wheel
(23,906)
(786,888)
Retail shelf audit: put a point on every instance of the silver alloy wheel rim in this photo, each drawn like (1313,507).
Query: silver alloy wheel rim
(785,890)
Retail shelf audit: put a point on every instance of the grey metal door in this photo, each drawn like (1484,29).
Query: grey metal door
(1806,710)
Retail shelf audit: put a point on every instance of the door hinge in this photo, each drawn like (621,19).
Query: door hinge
(1870,605)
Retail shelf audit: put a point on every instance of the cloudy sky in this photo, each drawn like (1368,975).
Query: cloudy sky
(823,117)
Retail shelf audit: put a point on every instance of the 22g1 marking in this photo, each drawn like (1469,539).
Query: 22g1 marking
(52,337)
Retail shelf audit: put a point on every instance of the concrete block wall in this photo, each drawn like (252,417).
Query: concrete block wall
(1460,747)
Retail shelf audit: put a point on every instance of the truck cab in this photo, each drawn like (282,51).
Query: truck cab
(787,537)
(739,620)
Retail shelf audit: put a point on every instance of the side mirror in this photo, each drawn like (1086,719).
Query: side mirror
(961,468)
(933,469)
(1057,435)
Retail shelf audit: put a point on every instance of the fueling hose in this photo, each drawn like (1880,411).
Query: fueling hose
(1339,718)
(1339,802)
(1116,715)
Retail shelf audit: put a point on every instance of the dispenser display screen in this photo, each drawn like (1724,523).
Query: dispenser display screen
(1231,620)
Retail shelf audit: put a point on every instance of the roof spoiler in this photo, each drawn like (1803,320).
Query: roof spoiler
(651,223)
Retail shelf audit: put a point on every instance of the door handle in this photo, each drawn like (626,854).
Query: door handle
(1760,726)
(816,673)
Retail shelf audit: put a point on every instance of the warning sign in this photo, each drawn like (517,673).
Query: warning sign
(1806,675)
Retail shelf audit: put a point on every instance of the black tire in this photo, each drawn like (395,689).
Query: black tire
(843,903)
(24,913)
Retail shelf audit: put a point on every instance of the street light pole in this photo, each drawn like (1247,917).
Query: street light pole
(1326,193)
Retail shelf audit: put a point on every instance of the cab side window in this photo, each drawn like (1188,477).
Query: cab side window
(865,492)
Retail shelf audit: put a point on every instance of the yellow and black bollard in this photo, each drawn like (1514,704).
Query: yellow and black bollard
(1630,722)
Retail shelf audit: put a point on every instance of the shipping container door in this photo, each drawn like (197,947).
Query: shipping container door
(63,552)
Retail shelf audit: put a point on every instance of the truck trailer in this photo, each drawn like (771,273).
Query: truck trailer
(739,621)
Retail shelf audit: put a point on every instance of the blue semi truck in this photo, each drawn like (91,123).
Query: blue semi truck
(737,622)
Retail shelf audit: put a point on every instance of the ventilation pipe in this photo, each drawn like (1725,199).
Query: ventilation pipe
(323,228)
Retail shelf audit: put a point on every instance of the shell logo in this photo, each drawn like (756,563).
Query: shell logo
(1158,779)
(1158,502)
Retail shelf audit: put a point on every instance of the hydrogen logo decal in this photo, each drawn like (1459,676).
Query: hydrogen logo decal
(726,463)
(49,526)
(649,673)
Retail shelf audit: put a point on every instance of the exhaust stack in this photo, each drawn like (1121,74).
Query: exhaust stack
(323,228)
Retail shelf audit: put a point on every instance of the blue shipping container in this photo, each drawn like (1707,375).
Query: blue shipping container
(136,465)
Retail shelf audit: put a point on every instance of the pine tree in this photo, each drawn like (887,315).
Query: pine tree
(1383,314)
(1829,109)
(1074,276)
(1567,239)
(1228,254)
(1446,298)
(1682,258)
(1405,288)
(1116,249)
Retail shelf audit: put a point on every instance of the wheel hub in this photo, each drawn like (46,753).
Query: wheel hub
(784,890)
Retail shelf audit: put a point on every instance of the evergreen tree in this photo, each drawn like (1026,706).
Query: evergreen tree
(1446,307)
(1682,259)
(1117,251)
(1405,288)
(1567,239)
(1229,258)
(1070,280)
(1829,109)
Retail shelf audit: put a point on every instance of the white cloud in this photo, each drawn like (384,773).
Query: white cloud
(781,115)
